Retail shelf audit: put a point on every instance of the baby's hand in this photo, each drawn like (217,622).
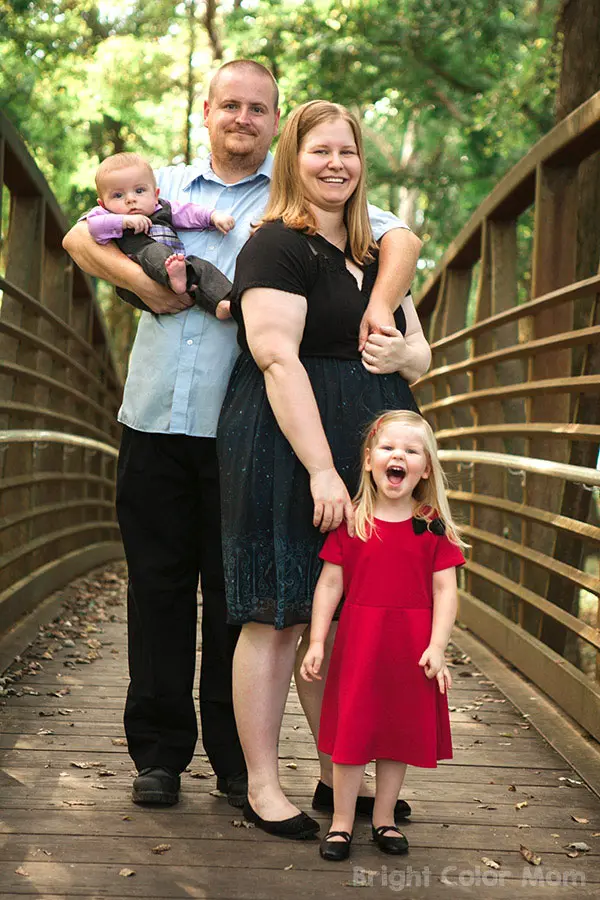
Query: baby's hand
(222,221)
(137,223)
(434,663)
(311,664)
(222,311)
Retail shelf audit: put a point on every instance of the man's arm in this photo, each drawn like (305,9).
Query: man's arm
(398,255)
(110,264)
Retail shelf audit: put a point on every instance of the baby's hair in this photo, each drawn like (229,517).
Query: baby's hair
(121,161)
(429,494)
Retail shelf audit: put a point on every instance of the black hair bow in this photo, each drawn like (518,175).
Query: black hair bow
(436,526)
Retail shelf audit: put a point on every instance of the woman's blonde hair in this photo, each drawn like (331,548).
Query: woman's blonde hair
(429,494)
(287,200)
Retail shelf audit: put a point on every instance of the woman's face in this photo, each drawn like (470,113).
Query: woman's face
(329,165)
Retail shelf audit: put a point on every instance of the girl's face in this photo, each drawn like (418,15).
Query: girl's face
(397,460)
(329,165)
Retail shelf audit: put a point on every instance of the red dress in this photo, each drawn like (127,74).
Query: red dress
(378,702)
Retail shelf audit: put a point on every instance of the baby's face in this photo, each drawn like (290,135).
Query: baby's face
(130,191)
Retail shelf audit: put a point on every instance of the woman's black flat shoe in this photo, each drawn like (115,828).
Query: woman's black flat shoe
(335,851)
(323,801)
(299,828)
(389,844)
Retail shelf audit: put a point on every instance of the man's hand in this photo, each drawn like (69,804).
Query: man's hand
(138,223)
(169,303)
(376,315)
(222,221)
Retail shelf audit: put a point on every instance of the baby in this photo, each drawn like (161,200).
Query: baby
(143,226)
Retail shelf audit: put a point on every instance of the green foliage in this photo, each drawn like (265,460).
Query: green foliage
(450,94)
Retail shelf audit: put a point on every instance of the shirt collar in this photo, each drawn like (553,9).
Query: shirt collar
(202,168)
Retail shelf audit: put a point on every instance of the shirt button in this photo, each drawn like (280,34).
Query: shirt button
(190,342)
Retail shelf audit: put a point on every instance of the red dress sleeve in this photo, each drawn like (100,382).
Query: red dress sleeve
(333,548)
(447,555)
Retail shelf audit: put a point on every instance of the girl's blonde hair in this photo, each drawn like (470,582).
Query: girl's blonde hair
(429,494)
(287,200)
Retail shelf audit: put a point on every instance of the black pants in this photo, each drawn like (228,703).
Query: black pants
(168,507)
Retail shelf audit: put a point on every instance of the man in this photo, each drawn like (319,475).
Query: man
(167,482)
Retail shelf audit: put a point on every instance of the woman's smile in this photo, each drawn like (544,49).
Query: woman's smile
(329,165)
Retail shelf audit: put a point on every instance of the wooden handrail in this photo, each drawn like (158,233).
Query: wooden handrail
(532,307)
(574,432)
(572,526)
(528,389)
(576,474)
(573,139)
(586,632)
(515,351)
(57,372)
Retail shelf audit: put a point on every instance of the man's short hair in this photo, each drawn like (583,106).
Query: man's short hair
(121,161)
(248,64)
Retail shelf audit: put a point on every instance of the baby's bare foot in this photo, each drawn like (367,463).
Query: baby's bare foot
(176,270)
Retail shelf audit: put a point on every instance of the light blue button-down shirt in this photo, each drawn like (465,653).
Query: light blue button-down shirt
(180,364)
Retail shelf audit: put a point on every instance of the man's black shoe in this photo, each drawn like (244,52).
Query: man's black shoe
(236,788)
(156,785)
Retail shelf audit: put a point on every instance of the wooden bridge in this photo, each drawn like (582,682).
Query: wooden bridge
(512,314)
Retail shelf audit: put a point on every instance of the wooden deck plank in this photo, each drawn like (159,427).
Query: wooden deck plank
(72,830)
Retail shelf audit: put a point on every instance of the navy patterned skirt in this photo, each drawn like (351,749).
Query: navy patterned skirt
(270,546)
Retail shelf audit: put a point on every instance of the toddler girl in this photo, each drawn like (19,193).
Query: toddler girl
(385,695)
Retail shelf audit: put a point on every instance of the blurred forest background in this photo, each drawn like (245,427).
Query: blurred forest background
(450,93)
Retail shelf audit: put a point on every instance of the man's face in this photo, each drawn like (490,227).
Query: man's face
(241,118)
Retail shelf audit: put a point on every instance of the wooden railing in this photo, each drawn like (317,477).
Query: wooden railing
(59,393)
(514,397)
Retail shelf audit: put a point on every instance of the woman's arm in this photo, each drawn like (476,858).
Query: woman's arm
(328,594)
(274,323)
(398,255)
(445,603)
(107,262)
(390,351)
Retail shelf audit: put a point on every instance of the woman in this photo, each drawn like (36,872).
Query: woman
(291,423)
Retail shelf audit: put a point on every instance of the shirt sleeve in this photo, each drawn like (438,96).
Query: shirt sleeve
(190,215)
(274,257)
(104,226)
(332,550)
(447,555)
(383,221)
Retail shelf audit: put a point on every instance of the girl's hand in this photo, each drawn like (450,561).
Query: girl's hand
(434,664)
(332,501)
(312,662)
(385,352)
(138,223)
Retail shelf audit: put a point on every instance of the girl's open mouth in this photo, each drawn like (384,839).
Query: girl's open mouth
(395,474)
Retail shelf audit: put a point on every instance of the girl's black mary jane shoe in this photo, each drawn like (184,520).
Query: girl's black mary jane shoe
(335,851)
(395,843)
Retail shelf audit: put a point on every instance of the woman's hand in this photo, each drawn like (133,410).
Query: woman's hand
(434,665)
(332,501)
(385,352)
(312,662)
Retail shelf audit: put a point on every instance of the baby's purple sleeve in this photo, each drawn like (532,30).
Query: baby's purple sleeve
(104,226)
(190,215)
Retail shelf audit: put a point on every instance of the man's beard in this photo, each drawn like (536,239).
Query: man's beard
(243,159)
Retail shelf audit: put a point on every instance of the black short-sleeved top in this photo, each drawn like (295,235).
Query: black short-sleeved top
(280,257)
